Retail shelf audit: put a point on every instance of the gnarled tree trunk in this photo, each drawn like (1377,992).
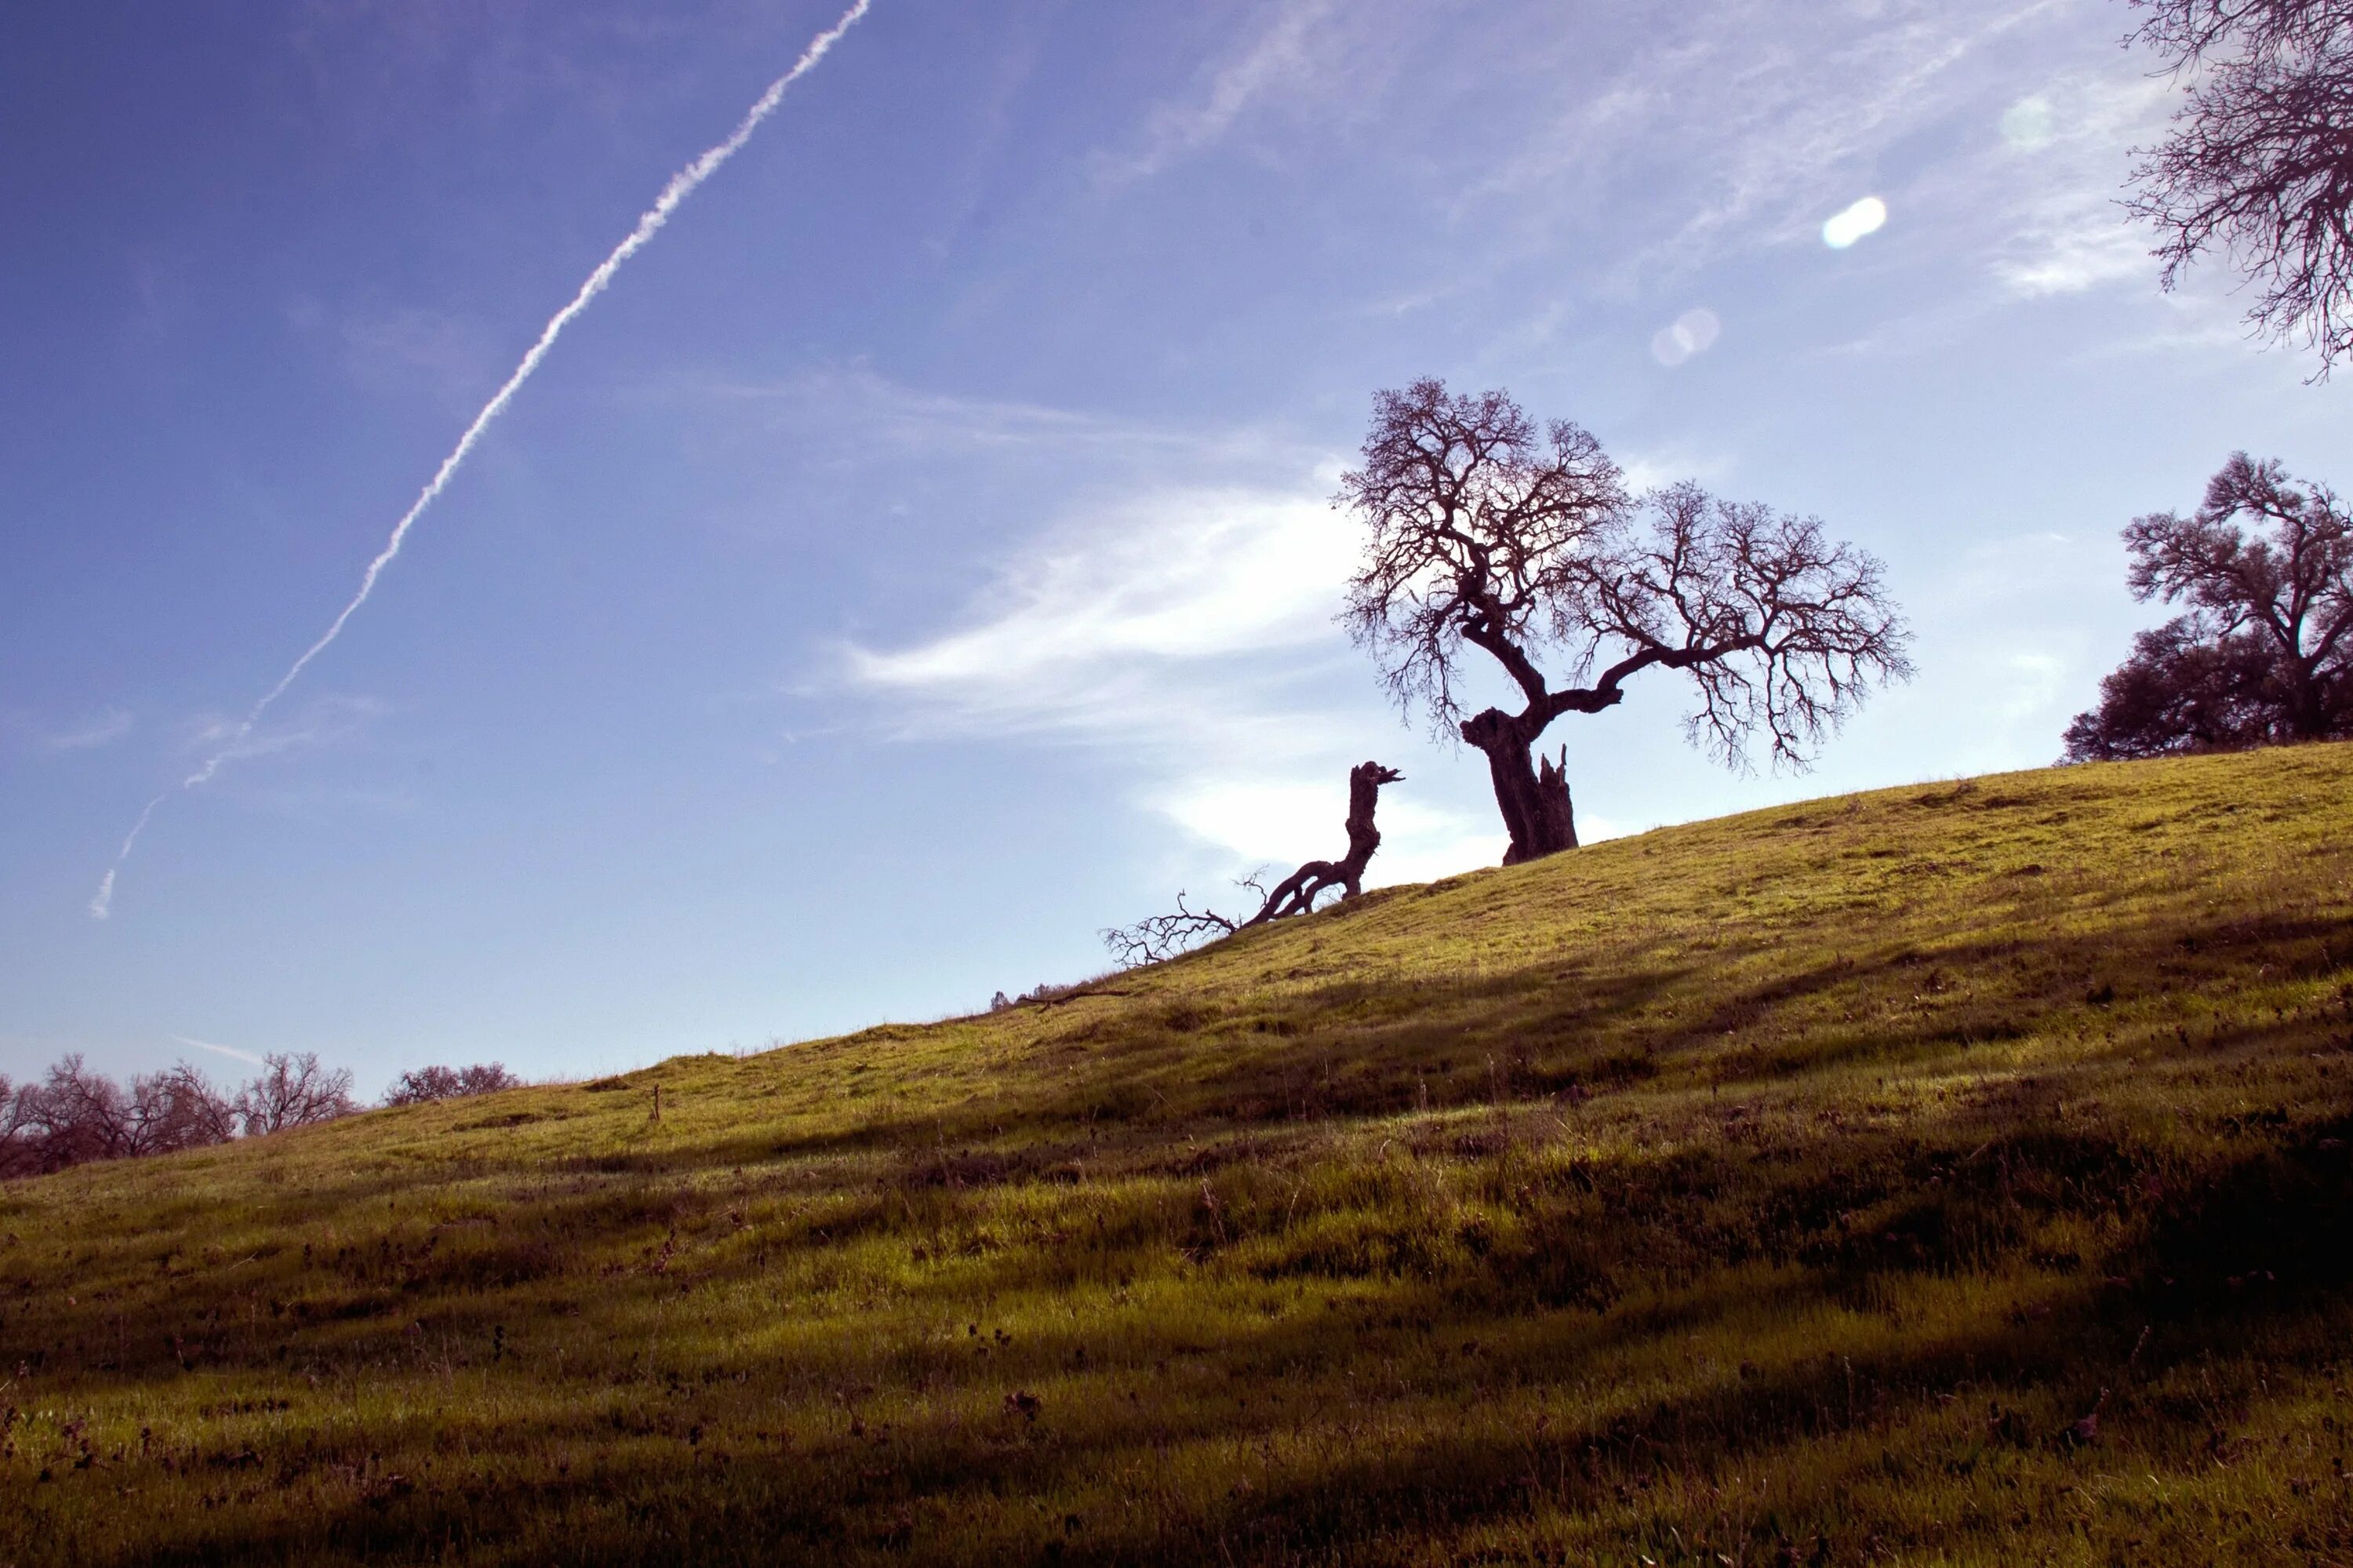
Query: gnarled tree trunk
(1531,792)
(1166,936)
(1295,894)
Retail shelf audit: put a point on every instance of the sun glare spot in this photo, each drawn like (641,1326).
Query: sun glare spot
(2027,124)
(1692,332)
(1864,217)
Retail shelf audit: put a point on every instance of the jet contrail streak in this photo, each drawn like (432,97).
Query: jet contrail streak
(222,1050)
(681,186)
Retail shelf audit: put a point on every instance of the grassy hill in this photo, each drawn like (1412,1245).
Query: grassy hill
(1948,1174)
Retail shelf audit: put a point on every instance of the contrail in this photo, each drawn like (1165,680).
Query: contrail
(681,186)
(221,1050)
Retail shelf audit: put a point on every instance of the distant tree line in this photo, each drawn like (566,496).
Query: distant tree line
(74,1116)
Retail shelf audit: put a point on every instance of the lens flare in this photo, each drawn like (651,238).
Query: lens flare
(2029,125)
(1694,332)
(1865,216)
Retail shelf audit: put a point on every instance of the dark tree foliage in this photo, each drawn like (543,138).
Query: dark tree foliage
(2264,655)
(421,1085)
(1159,937)
(2259,162)
(1525,545)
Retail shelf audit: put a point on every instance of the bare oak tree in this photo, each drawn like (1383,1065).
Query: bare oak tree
(178,1109)
(2264,653)
(1159,937)
(295,1091)
(1526,546)
(81,1116)
(75,1115)
(2259,161)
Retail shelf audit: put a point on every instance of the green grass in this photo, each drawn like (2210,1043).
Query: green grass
(1784,1189)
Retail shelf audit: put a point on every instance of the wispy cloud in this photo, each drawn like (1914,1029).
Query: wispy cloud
(881,412)
(1653,154)
(1748,123)
(1175,617)
(102,728)
(1184,632)
(449,357)
(1283,58)
(327,721)
(2031,206)
(2060,162)
(1181,624)
(2005,638)
(1103,624)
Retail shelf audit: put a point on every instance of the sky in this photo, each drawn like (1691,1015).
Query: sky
(922,557)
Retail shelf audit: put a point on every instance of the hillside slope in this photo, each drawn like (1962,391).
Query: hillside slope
(1948,1174)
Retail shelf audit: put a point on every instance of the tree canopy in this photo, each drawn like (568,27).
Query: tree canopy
(1484,531)
(2263,653)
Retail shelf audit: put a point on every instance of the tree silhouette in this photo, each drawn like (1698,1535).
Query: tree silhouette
(2259,161)
(1526,546)
(75,1115)
(2264,653)
(423,1086)
(1158,936)
(295,1091)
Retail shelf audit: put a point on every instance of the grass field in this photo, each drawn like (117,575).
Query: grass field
(1952,1174)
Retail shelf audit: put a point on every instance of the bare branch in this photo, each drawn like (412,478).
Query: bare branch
(176,1110)
(2187,31)
(293,1091)
(1158,936)
(2259,162)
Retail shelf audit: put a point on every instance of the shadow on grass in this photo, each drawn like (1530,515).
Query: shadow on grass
(2023,1383)
(1364,1048)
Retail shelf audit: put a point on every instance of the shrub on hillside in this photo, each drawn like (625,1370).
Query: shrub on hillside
(422,1086)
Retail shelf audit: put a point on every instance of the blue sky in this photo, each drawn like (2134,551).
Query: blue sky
(919,559)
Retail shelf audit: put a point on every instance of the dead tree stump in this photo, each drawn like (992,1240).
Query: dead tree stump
(1165,935)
